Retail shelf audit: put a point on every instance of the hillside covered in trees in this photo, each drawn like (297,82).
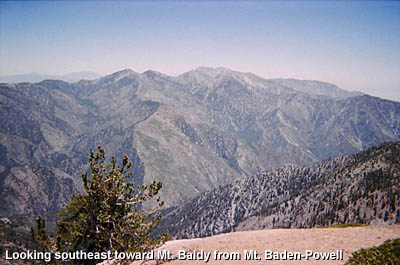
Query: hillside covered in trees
(362,188)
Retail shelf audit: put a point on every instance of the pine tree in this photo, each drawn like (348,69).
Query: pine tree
(109,215)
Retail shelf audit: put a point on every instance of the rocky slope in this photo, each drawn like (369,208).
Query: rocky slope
(361,188)
(194,132)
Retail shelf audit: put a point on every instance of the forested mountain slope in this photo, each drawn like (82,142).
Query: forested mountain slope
(361,188)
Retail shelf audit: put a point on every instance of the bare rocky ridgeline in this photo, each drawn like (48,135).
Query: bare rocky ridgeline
(363,188)
(194,132)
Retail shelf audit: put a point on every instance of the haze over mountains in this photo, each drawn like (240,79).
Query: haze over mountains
(194,132)
(36,77)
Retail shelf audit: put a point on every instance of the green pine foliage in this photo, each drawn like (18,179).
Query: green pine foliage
(41,236)
(108,216)
(388,253)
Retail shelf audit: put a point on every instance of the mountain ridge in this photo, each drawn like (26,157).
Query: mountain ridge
(192,135)
(361,188)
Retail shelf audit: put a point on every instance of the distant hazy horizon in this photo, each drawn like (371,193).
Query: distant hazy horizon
(354,45)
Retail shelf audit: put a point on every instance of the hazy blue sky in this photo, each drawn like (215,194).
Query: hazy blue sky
(355,44)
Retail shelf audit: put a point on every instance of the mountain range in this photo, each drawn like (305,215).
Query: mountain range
(194,132)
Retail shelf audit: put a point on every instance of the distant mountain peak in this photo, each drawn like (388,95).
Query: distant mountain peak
(212,69)
(151,74)
(209,71)
(119,75)
(124,72)
(217,71)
